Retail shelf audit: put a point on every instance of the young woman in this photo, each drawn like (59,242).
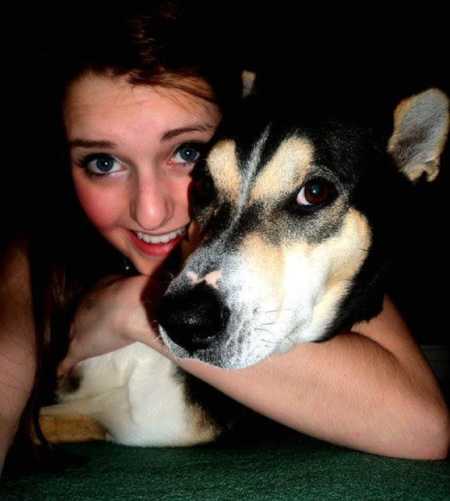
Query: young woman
(138,107)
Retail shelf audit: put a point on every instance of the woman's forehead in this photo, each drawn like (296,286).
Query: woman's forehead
(96,98)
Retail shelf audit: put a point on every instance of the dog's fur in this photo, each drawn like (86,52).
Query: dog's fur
(296,216)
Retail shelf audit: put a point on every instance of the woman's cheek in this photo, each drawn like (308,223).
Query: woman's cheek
(103,205)
(182,189)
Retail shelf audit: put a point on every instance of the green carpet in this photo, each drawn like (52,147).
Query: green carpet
(293,468)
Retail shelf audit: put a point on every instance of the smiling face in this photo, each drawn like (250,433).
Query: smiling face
(132,149)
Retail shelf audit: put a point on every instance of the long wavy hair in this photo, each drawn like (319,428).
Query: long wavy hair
(169,45)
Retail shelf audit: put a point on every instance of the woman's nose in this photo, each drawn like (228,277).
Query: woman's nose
(151,205)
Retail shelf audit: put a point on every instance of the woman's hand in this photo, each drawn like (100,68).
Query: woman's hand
(116,313)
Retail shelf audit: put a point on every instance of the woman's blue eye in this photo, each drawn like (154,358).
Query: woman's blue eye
(187,154)
(100,164)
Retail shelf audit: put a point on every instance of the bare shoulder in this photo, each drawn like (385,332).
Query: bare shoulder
(17,340)
(16,317)
(14,262)
(15,284)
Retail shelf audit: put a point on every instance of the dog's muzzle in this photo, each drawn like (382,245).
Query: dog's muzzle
(193,318)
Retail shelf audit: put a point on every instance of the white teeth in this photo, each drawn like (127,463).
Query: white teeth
(160,239)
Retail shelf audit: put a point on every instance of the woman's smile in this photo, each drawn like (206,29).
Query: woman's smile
(133,149)
(157,245)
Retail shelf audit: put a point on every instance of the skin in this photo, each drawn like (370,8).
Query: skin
(139,132)
(17,343)
(380,395)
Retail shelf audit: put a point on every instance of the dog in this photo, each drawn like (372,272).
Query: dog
(296,217)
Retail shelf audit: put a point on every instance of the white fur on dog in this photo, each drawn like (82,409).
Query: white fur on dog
(134,393)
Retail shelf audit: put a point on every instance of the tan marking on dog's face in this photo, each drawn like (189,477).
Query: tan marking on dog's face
(264,261)
(223,167)
(349,249)
(349,258)
(286,170)
(299,268)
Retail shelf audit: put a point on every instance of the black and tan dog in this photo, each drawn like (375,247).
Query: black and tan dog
(296,216)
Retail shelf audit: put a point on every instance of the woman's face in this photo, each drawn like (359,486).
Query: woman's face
(132,150)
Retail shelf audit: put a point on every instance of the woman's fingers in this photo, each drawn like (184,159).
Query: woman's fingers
(111,317)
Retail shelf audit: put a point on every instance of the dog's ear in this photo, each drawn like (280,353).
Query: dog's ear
(421,125)
(248,82)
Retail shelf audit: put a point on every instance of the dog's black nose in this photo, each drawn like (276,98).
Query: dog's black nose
(194,318)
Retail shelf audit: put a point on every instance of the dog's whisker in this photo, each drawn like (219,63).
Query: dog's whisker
(290,339)
(268,342)
(279,311)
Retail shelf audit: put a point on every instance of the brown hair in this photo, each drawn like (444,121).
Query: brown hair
(167,46)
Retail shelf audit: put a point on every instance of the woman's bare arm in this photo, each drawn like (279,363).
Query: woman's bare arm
(370,389)
(17,343)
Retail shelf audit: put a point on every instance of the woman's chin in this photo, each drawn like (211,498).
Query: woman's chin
(147,265)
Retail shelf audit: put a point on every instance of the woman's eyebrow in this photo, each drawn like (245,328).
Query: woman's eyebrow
(182,130)
(87,143)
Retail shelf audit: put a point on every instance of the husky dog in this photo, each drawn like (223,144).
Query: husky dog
(296,217)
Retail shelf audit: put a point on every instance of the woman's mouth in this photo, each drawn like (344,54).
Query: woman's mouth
(157,245)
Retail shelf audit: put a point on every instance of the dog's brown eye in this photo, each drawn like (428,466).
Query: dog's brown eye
(315,192)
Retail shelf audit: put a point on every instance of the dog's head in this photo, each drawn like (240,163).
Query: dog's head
(295,217)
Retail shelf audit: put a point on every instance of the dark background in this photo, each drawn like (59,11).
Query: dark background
(365,60)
